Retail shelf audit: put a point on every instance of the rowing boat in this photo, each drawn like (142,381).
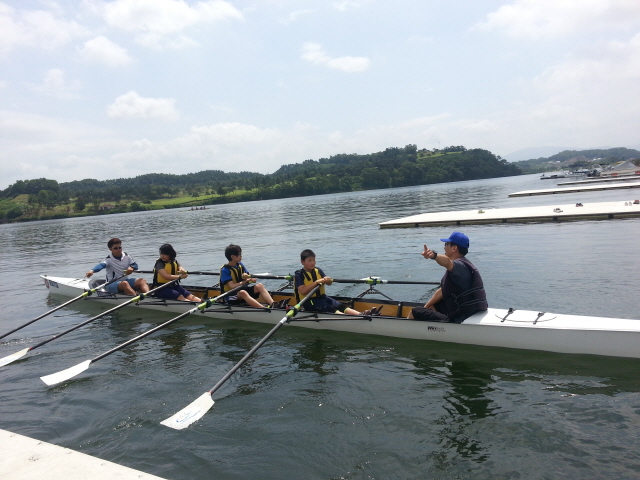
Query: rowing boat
(509,328)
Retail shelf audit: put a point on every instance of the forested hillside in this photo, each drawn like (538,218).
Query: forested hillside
(393,167)
(567,158)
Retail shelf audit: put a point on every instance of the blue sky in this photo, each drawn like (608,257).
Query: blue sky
(95,89)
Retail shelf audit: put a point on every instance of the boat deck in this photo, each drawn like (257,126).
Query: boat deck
(547,213)
(578,189)
(25,458)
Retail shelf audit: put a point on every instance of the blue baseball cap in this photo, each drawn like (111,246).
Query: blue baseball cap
(458,238)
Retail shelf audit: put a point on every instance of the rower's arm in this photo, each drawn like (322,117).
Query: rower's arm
(231,284)
(167,276)
(304,289)
(444,261)
(437,297)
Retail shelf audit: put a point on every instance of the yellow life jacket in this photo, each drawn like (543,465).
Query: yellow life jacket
(170,267)
(309,278)
(236,275)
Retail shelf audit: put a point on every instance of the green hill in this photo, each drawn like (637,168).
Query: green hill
(393,167)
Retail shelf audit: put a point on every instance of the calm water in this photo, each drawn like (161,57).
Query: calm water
(326,405)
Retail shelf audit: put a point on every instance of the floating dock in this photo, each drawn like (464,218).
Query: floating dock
(549,213)
(630,178)
(578,189)
(25,458)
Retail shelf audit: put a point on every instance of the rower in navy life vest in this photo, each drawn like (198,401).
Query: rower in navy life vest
(167,268)
(117,264)
(461,292)
(308,277)
(235,274)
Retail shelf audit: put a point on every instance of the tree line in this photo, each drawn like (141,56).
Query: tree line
(598,155)
(393,167)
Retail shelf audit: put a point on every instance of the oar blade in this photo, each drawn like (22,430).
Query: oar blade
(63,375)
(13,357)
(191,413)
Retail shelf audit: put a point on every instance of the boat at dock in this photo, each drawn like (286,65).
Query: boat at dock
(508,328)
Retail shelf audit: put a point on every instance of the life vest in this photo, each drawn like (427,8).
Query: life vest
(170,267)
(236,275)
(309,278)
(460,304)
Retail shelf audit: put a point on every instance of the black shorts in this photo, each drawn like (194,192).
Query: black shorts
(428,315)
(234,300)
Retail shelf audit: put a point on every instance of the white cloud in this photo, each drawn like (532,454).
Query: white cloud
(35,29)
(153,19)
(344,5)
(314,53)
(132,105)
(55,85)
(102,50)
(155,41)
(539,19)
(593,90)
(294,16)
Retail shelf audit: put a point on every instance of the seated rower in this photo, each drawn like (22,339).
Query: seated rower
(308,277)
(117,264)
(166,269)
(234,274)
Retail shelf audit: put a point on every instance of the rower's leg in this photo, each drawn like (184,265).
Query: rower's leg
(125,288)
(264,294)
(141,285)
(244,295)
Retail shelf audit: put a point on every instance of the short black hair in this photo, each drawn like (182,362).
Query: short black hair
(113,241)
(306,254)
(462,250)
(232,250)
(167,249)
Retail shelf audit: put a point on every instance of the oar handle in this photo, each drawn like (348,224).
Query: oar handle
(290,314)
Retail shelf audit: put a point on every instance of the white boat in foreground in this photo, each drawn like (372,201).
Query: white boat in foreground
(521,329)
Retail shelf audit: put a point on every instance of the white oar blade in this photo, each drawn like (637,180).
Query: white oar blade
(189,414)
(63,375)
(13,357)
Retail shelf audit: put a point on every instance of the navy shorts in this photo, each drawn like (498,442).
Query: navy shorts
(323,305)
(172,292)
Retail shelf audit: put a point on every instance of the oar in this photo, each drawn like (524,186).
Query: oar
(87,293)
(378,281)
(368,281)
(71,372)
(196,409)
(15,356)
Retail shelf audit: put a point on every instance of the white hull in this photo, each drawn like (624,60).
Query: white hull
(521,329)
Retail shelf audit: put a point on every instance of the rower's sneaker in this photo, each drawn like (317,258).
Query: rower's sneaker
(284,304)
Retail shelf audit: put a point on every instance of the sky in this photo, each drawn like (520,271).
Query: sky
(120,88)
